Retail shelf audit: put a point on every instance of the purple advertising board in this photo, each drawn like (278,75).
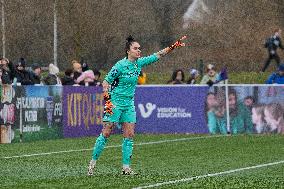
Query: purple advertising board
(83,111)
(168,109)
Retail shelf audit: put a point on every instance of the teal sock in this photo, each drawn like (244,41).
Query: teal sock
(99,146)
(127,147)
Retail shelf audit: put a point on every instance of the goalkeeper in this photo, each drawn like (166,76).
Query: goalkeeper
(119,89)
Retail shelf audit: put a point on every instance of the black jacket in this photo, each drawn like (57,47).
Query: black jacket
(24,77)
(8,74)
(272,43)
(35,78)
(67,80)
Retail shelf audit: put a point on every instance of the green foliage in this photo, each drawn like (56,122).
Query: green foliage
(158,162)
(248,77)
(234,78)
(232,33)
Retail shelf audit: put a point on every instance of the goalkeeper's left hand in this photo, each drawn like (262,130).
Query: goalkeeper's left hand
(178,43)
(175,45)
(108,104)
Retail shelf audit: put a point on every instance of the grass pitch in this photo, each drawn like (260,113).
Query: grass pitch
(184,160)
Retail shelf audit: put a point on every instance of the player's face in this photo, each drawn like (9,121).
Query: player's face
(134,51)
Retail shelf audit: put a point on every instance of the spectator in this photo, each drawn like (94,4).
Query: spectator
(211,75)
(22,75)
(258,118)
(52,77)
(272,44)
(74,61)
(177,77)
(274,117)
(87,77)
(142,78)
(85,66)
(36,74)
(277,77)
(240,117)
(194,75)
(77,69)
(97,81)
(7,71)
(68,78)
(249,102)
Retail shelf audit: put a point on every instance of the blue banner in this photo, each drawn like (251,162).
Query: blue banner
(168,109)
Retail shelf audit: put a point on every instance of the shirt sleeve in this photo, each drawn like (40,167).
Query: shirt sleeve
(113,74)
(144,61)
(270,79)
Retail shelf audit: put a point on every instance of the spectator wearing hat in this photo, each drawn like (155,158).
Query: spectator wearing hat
(22,75)
(277,77)
(68,78)
(193,76)
(211,75)
(52,77)
(36,74)
(85,66)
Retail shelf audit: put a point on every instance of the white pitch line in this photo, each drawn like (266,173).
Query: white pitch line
(114,146)
(209,175)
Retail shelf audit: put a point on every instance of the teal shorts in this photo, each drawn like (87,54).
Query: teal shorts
(121,115)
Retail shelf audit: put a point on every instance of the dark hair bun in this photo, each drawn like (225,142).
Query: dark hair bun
(130,38)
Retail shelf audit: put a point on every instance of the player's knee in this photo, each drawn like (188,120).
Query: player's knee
(107,131)
(107,128)
(106,134)
(129,134)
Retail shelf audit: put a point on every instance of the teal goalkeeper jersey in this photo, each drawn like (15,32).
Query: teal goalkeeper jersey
(123,79)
